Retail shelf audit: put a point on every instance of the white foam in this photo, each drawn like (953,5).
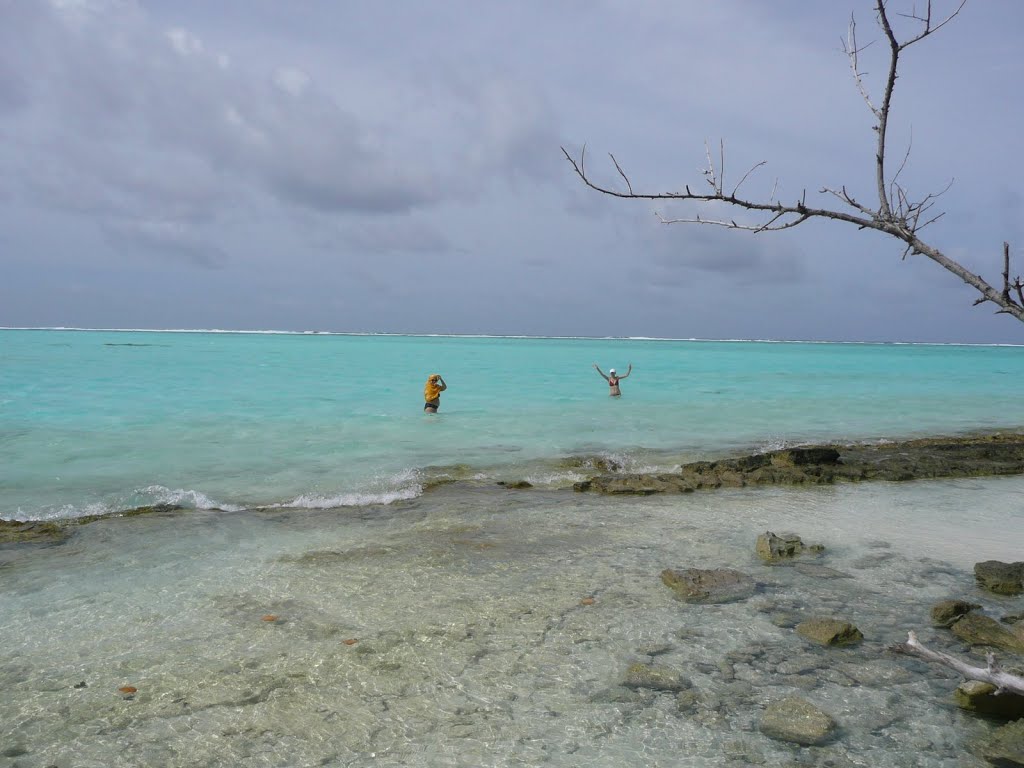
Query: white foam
(628,463)
(555,479)
(63,512)
(315,501)
(385,489)
(186,498)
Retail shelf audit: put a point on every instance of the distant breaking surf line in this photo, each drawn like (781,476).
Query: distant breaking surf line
(256,332)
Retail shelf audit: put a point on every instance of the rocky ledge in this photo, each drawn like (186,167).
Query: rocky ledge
(1001,454)
(55,532)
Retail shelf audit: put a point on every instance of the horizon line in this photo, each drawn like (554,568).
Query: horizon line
(271,332)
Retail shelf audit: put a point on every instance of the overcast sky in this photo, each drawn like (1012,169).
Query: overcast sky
(258,164)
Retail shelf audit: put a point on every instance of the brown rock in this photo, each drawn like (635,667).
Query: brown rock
(830,632)
(717,585)
(948,611)
(973,456)
(18,531)
(774,548)
(1005,747)
(1001,578)
(656,678)
(796,720)
(798,457)
(980,697)
(978,629)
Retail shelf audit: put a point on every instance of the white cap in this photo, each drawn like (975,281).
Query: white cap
(611,370)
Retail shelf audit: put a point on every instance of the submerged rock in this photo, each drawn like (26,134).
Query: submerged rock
(796,720)
(1001,578)
(1005,747)
(978,629)
(830,632)
(620,695)
(20,531)
(655,677)
(717,585)
(801,457)
(516,485)
(946,612)
(773,548)
(634,484)
(872,561)
(778,548)
(976,696)
(655,649)
(149,509)
(816,571)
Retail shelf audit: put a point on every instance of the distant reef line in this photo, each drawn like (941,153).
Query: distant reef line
(523,336)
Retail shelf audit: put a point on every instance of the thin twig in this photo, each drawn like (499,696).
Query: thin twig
(621,173)
(737,187)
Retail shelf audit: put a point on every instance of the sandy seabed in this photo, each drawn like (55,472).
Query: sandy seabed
(487,627)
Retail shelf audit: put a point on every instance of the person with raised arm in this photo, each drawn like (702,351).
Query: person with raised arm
(432,393)
(613,379)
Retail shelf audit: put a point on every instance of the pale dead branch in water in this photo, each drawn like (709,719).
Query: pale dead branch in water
(992,674)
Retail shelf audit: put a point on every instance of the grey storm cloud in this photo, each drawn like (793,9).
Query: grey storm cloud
(165,236)
(672,253)
(125,88)
(396,166)
(396,235)
(148,121)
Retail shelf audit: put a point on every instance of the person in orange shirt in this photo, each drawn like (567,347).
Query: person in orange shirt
(432,393)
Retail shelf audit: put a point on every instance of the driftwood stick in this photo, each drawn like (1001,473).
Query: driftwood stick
(1003,681)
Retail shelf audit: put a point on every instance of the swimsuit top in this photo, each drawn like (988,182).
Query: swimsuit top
(613,381)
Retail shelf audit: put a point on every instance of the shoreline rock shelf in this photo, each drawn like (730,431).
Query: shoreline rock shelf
(58,531)
(825,464)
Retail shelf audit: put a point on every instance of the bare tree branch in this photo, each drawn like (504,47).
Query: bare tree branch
(926,22)
(898,215)
(992,674)
(768,226)
(621,173)
(852,51)
(740,184)
(906,156)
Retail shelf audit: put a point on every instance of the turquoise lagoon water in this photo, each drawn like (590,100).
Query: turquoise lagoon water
(320,604)
(96,421)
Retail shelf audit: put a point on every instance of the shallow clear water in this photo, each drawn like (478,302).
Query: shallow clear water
(473,646)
